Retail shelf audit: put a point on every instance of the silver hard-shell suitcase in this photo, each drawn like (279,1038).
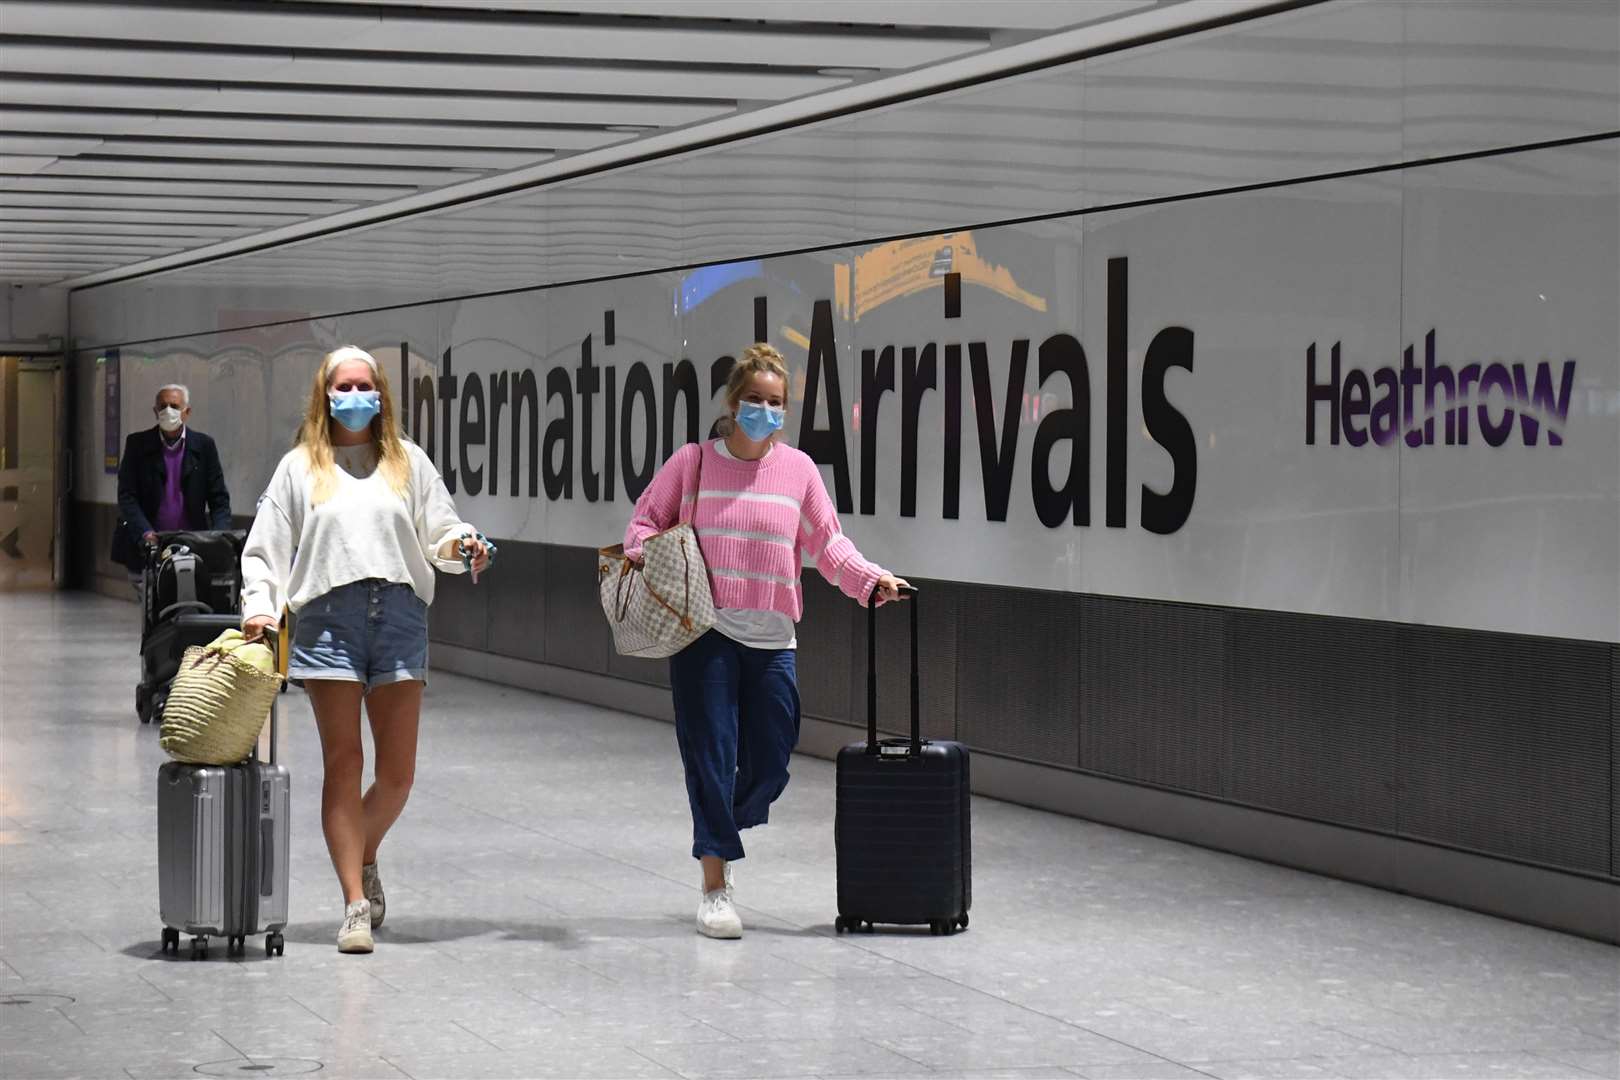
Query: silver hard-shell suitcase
(223,844)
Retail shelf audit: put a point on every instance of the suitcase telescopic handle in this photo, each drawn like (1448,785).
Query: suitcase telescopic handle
(277,643)
(872,745)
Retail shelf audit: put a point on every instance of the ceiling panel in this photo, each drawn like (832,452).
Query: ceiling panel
(190,233)
(177,123)
(106,185)
(98,201)
(717,41)
(267,128)
(401,163)
(1018,14)
(242,64)
(151,217)
(256,170)
(278,100)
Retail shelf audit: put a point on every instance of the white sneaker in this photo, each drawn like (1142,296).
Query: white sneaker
(371,884)
(355,934)
(717,918)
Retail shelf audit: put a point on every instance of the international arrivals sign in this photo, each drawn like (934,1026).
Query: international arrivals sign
(1276,401)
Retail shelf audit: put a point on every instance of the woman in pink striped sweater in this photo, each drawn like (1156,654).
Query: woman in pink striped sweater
(760,510)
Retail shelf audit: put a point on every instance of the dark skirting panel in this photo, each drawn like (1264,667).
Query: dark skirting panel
(1313,711)
(517,601)
(1153,703)
(1018,673)
(826,640)
(576,631)
(1498,745)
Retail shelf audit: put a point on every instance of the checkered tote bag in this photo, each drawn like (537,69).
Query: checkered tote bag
(662,606)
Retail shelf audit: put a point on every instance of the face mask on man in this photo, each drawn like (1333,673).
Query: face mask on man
(354,409)
(760,422)
(168,419)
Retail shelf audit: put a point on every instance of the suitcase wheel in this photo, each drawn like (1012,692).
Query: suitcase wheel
(236,945)
(840,925)
(171,940)
(143,705)
(275,944)
(962,920)
(199,948)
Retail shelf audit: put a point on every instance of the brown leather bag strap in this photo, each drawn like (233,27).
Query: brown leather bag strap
(685,617)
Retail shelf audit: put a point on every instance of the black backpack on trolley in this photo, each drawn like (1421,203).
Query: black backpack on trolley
(903,829)
(192,590)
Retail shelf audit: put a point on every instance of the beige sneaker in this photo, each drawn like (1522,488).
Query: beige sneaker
(371,884)
(355,934)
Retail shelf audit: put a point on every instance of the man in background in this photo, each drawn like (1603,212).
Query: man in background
(168,479)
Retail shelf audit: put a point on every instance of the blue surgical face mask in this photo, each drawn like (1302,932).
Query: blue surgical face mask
(759,422)
(354,409)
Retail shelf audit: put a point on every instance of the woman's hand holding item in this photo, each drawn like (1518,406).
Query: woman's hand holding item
(892,588)
(475,552)
(255,628)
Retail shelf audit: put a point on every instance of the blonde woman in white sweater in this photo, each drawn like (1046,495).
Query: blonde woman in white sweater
(347,536)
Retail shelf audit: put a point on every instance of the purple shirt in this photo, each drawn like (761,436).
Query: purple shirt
(171,511)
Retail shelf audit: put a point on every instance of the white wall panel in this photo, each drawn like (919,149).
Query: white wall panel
(1515,275)
(1513,258)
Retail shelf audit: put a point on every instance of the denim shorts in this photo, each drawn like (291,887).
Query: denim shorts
(372,632)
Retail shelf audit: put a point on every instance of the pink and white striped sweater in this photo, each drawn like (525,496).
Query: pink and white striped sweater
(756,523)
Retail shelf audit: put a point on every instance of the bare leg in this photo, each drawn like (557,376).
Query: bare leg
(337,715)
(714,873)
(395,712)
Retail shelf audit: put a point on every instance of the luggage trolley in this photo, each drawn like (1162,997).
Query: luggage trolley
(192,590)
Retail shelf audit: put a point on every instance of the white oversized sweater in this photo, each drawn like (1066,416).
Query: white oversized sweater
(297,552)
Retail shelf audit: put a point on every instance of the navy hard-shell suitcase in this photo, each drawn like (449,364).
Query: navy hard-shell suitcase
(904,824)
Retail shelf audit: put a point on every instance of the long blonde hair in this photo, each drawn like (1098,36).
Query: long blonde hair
(758,359)
(315,433)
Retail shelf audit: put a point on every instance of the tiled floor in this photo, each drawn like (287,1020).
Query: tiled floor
(540,925)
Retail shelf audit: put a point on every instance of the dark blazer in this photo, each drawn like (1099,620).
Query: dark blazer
(140,490)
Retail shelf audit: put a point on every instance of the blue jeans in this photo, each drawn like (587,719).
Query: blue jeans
(371,632)
(737,721)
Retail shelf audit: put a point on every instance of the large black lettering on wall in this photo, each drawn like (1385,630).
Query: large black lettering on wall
(471,432)
(680,382)
(447,395)
(1118,390)
(638,384)
(559,472)
(525,402)
(1164,513)
(1061,354)
(917,374)
(997,464)
(825,447)
(877,378)
(719,374)
(587,381)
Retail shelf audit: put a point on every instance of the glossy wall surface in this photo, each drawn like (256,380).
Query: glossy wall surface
(1259,390)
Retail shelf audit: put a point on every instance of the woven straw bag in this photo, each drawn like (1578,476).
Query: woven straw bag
(217,704)
(662,606)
